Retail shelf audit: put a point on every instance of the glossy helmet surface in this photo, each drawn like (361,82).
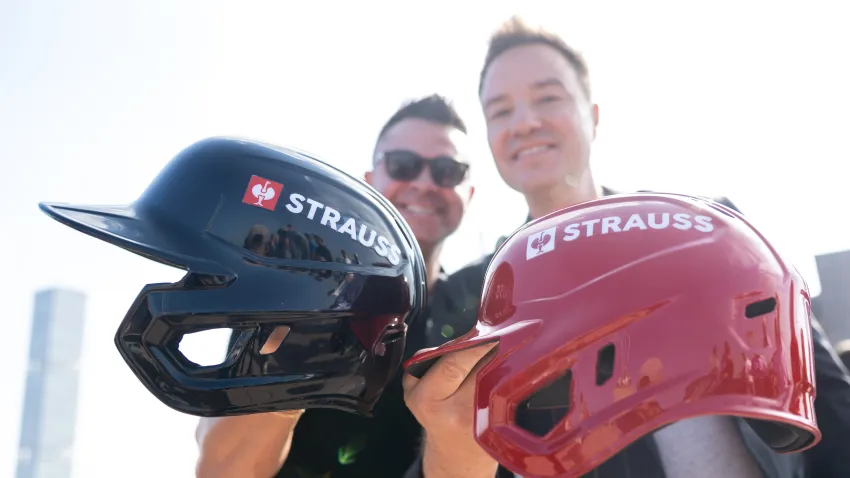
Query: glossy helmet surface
(619,316)
(270,237)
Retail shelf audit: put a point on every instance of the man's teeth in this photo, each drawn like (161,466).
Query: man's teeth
(420,210)
(532,150)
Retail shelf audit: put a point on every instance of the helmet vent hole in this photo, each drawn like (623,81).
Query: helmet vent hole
(275,340)
(545,408)
(762,307)
(205,281)
(605,364)
(203,348)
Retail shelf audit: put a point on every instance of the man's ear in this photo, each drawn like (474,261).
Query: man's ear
(368,177)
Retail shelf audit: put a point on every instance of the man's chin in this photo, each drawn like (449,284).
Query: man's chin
(419,222)
(535,182)
(427,234)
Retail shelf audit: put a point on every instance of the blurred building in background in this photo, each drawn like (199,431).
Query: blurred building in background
(50,402)
(832,306)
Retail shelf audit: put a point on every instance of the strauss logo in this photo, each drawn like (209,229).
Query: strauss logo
(539,242)
(263,192)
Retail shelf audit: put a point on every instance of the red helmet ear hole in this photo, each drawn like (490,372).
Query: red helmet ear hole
(762,307)
(605,364)
(544,409)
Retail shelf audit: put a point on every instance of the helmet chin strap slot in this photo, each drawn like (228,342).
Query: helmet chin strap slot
(391,334)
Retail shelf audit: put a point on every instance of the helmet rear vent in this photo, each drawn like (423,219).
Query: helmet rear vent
(762,307)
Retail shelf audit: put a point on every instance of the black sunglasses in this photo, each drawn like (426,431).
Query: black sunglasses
(403,165)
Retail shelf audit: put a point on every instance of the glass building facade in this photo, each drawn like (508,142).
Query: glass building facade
(50,401)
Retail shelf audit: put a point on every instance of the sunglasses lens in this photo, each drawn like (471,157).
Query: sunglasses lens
(403,165)
(447,172)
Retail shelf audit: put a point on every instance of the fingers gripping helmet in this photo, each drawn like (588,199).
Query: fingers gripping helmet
(271,238)
(622,315)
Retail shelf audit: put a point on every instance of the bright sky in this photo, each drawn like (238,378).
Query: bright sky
(748,101)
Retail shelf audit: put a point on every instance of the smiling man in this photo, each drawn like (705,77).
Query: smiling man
(420,166)
(541,123)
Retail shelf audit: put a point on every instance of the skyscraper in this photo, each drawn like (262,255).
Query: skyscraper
(50,401)
(832,306)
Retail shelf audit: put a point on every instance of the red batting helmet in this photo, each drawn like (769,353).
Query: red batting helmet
(619,316)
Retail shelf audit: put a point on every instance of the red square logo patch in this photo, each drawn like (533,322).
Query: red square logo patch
(262,193)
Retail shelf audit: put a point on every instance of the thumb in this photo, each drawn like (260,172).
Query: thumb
(446,376)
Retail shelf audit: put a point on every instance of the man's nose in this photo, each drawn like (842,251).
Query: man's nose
(424,180)
(524,120)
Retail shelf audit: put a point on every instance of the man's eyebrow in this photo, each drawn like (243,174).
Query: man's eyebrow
(495,99)
(547,82)
(537,85)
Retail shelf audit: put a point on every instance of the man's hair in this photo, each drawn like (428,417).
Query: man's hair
(434,108)
(516,32)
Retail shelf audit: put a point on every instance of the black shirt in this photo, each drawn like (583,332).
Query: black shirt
(336,444)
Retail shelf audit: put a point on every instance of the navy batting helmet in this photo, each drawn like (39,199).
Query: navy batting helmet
(271,239)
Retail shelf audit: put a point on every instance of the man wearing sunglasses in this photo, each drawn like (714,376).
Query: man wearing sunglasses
(541,124)
(419,165)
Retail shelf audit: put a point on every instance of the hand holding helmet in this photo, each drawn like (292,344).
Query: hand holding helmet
(619,316)
(442,401)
